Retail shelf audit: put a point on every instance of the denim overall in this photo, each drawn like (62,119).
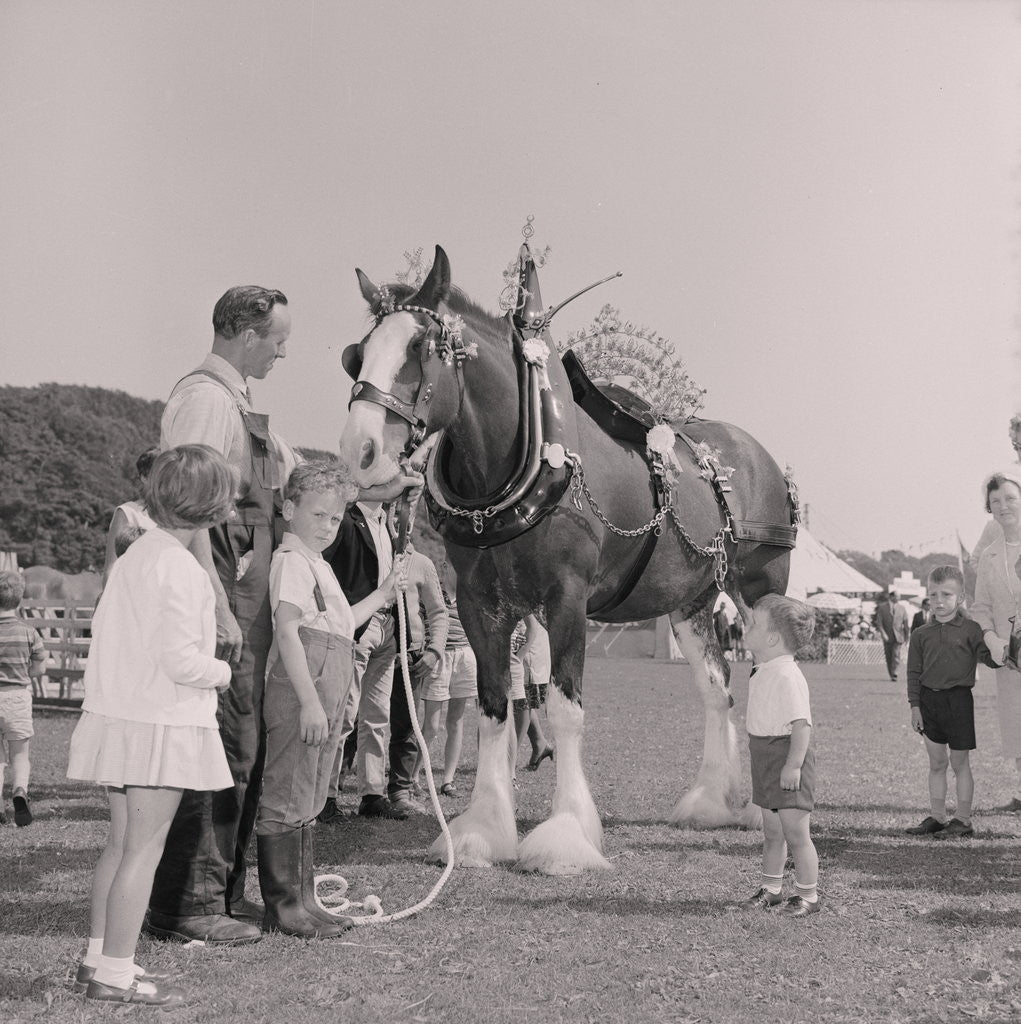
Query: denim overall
(297,776)
(202,870)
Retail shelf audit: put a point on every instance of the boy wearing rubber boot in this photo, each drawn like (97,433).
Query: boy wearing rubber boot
(311,665)
(942,658)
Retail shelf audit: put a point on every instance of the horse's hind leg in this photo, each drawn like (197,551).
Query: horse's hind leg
(571,839)
(715,799)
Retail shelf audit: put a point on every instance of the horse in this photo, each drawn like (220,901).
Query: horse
(588,534)
(46,584)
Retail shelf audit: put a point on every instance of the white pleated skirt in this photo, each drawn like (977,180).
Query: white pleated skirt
(116,752)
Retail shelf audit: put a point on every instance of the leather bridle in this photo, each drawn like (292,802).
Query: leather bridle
(441,347)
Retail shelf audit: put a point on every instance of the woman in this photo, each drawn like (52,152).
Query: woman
(997,605)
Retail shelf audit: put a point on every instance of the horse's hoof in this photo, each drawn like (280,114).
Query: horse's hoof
(559,846)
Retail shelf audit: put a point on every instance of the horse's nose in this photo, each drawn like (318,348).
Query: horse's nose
(368,454)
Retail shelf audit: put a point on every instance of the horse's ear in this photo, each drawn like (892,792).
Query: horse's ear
(436,287)
(370,292)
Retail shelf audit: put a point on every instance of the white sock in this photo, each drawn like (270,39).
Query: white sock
(809,893)
(772,883)
(117,972)
(93,951)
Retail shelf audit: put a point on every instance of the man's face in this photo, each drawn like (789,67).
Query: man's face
(263,352)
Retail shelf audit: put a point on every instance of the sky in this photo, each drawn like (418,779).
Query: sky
(817,201)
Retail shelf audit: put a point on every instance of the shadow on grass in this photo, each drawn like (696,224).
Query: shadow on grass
(622,906)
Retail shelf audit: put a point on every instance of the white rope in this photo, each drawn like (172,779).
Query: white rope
(336,903)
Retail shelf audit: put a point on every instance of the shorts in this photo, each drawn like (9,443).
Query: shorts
(769,754)
(15,715)
(456,677)
(948,716)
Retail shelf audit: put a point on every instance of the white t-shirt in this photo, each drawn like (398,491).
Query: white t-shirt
(153,639)
(376,522)
(777,697)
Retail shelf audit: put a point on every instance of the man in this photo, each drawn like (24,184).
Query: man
(921,616)
(894,630)
(362,557)
(199,889)
(426,640)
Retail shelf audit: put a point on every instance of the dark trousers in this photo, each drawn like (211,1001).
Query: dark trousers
(202,870)
(891,648)
(403,750)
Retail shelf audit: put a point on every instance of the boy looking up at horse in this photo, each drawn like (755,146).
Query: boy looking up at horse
(310,670)
(942,657)
(779,722)
(22,658)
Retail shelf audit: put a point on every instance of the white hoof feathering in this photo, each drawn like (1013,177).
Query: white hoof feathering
(485,834)
(571,840)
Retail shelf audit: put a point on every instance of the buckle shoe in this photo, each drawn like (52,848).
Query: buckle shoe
(798,906)
(85,974)
(151,994)
(926,827)
(763,899)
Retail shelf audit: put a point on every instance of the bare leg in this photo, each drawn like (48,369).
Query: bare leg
(938,762)
(20,765)
(796,824)
(433,711)
(774,846)
(148,813)
(109,862)
(455,737)
(961,764)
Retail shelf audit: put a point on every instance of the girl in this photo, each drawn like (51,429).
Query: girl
(148,728)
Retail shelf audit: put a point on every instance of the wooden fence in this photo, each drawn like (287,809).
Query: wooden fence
(66,632)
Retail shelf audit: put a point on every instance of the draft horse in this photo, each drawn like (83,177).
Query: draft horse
(543,510)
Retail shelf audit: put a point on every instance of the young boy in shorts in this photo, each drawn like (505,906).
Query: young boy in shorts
(22,658)
(942,657)
(309,675)
(779,722)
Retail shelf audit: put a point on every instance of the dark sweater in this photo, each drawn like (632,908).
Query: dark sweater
(944,654)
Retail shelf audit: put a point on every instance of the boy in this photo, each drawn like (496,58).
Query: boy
(22,659)
(309,674)
(942,657)
(779,723)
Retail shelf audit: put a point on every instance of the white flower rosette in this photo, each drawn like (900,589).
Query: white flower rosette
(660,442)
(536,352)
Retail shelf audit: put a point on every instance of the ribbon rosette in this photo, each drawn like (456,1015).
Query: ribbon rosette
(660,439)
(535,351)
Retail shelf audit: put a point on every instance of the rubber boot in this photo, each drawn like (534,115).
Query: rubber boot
(281,877)
(308,883)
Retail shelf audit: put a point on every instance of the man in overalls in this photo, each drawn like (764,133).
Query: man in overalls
(199,889)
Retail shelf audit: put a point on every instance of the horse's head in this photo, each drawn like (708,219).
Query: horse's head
(406,372)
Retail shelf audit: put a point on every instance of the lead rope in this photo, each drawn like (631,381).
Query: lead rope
(336,902)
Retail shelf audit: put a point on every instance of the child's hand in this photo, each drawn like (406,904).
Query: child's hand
(790,778)
(226,684)
(916,721)
(314,724)
(425,666)
(396,581)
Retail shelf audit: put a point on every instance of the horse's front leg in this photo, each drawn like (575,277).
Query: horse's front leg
(571,839)
(715,799)
(486,834)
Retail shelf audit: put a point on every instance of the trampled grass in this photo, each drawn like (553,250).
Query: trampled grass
(914,930)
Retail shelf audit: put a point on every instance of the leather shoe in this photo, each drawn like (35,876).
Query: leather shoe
(144,993)
(798,906)
(927,827)
(22,808)
(85,974)
(763,898)
(212,929)
(331,812)
(379,807)
(247,910)
(956,829)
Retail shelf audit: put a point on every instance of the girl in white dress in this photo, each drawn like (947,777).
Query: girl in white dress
(148,729)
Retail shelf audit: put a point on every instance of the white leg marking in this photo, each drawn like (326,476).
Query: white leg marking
(571,839)
(485,834)
(715,799)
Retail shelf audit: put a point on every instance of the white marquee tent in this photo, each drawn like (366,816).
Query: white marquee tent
(815,568)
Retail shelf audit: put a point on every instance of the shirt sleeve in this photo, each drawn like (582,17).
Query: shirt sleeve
(200,414)
(38,648)
(797,697)
(181,654)
(431,597)
(915,669)
(291,579)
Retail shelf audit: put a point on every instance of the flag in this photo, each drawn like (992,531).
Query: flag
(963,556)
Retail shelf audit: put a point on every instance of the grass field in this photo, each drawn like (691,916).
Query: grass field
(914,930)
